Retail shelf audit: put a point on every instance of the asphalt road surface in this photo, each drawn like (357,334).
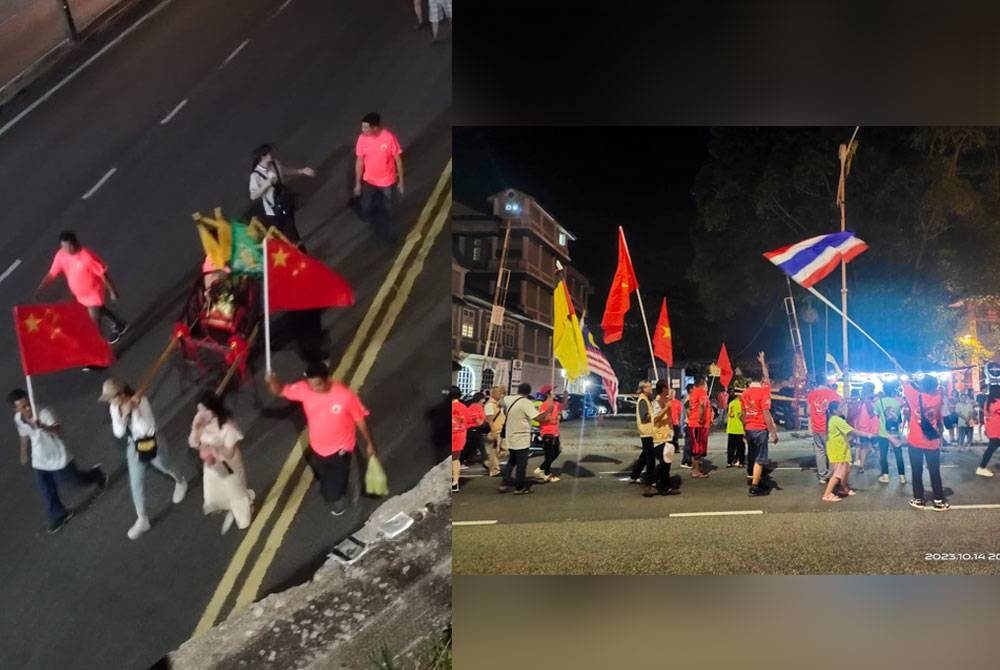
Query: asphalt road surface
(591,522)
(88,597)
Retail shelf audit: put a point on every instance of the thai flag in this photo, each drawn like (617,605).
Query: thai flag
(809,261)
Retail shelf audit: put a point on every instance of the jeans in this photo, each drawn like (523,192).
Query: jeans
(646,462)
(964,435)
(550,445)
(735,449)
(757,443)
(377,206)
(663,455)
(137,472)
(518,458)
(96,313)
(883,449)
(933,457)
(990,448)
(46,480)
(333,474)
(822,461)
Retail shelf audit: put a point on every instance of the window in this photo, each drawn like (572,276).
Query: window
(466,380)
(477,249)
(468,323)
(509,336)
(562,239)
(487,380)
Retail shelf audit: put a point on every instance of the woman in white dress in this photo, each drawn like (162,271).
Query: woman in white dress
(217,438)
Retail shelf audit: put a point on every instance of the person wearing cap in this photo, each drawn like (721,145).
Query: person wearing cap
(132,420)
(42,446)
(334,416)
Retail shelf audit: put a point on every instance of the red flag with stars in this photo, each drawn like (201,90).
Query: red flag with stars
(299,281)
(663,341)
(57,337)
(613,323)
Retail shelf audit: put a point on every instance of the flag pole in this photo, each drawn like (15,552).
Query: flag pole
(841,200)
(31,396)
(267,314)
(861,330)
(645,323)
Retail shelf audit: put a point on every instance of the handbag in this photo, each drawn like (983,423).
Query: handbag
(146,447)
(926,427)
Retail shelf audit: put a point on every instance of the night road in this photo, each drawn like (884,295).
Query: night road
(590,522)
(161,125)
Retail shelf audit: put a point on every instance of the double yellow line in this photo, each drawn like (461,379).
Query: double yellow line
(361,353)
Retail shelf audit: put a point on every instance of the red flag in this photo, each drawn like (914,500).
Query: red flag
(622,286)
(57,337)
(663,341)
(298,281)
(725,368)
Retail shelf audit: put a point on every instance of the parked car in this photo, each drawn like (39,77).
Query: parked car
(782,410)
(584,405)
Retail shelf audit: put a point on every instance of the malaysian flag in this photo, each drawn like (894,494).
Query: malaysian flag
(600,366)
(809,261)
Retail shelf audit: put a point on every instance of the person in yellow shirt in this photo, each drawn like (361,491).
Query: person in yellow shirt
(736,446)
(838,450)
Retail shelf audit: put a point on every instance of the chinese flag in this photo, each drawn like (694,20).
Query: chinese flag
(622,286)
(298,281)
(663,341)
(725,368)
(58,337)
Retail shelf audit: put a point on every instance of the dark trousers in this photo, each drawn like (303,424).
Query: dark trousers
(676,441)
(933,457)
(550,446)
(751,457)
(735,449)
(646,462)
(990,448)
(964,435)
(517,458)
(333,473)
(377,206)
(662,468)
(102,311)
(883,450)
(688,441)
(50,491)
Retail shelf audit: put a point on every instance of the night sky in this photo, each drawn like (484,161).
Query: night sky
(595,179)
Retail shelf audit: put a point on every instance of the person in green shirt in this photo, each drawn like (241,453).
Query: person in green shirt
(838,450)
(889,411)
(736,447)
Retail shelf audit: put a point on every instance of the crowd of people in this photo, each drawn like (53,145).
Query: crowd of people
(846,436)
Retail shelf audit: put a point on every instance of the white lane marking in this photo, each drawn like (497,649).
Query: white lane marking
(733,513)
(72,75)
(235,51)
(280,9)
(173,112)
(975,507)
(99,184)
(13,266)
(791,468)
(474,523)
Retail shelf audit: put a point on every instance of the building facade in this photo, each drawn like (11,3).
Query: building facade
(522,346)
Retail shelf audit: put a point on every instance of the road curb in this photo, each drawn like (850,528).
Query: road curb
(397,595)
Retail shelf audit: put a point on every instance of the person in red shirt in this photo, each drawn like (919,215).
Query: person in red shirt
(334,416)
(549,430)
(699,421)
(758,423)
(924,439)
(991,417)
(676,407)
(866,423)
(87,277)
(461,422)
(378,168)
(474,451)
(818,400)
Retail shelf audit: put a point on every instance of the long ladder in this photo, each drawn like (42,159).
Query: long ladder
(800,374)
(495,330)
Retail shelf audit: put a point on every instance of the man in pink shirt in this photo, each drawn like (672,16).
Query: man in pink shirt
(334,414)
(87,276)
(378,168)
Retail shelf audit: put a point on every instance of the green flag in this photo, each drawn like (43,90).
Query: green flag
(246,257)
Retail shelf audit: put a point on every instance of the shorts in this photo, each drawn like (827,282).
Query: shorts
(840,470)
(439,9)
(699,441)
(758,440)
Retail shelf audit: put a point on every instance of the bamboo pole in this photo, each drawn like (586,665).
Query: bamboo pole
(147,381)
(232,368)
(638,296)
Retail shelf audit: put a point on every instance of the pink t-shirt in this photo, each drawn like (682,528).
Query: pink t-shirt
(331,416)
(84,272)
(379,152)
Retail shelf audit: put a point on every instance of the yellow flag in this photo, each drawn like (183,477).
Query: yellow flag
(567,337)
(216,237)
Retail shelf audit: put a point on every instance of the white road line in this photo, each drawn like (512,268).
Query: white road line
(72,75)
(13,266)
(733,513)
(179,107)
(235,51)
(790,468)
(99,184)
(280,9)
(474,523)
(975,507)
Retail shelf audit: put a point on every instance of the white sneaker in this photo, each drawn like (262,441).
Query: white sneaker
(227,523)
(140,526)
(884,479)
(539,473)
(983,472)
(180,490)
(902,479)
